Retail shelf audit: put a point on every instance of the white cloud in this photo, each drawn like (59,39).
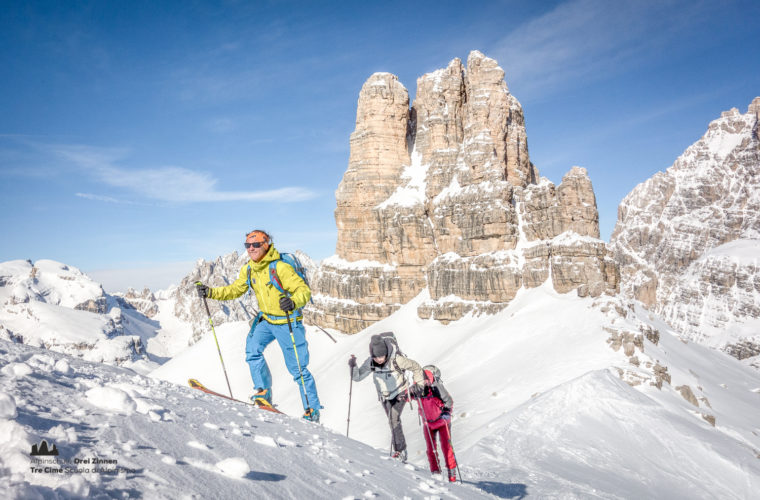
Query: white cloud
(97,197)
(588,39)
(169,183)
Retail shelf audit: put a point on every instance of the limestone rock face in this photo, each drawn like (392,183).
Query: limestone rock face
(688,239)
(443,196)
(220,272)
(379,151)
(144,301)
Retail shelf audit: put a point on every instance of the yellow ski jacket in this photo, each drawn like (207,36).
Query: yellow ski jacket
(266,294)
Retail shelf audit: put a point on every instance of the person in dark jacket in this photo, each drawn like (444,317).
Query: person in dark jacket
(389,368)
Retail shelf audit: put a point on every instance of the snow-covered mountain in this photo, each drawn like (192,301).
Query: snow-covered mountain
(688,239)
(52,305)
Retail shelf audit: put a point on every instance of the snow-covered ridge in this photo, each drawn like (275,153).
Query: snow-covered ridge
(56,306)
(723,136)
(50,282)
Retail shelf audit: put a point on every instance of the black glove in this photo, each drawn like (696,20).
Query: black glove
(203,290)
(417,391)
(286,304)
(352,361)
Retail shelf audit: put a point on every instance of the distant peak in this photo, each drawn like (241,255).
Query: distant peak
(754,107)
(729,113)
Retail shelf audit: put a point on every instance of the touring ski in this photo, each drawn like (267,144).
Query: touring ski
(197,385)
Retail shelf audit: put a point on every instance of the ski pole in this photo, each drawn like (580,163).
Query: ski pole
(451,444)
(325,331)
(295,350)
(409,398)
(208,312)
(433,446)
(350,390)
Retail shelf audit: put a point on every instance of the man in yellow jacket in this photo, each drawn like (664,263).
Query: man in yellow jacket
(272,321)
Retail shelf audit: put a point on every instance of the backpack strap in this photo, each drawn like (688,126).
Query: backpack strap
(274,279)
(249,278)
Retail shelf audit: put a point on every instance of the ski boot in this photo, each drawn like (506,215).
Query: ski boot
(400,455)
(262,397)
(312,415)
(452,476)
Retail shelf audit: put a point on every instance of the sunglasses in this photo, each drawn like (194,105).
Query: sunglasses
(255,244)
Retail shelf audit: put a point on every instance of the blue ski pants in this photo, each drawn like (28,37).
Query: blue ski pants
(261,335)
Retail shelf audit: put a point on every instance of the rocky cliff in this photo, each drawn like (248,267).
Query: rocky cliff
(688,239)
(222,271)
(442,195)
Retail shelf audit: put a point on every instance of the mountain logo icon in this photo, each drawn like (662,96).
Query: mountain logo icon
(43,449)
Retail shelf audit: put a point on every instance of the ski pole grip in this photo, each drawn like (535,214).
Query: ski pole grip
(208,311)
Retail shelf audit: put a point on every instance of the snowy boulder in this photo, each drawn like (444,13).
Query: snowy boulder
(14,447)
(62,367)
(17,370)
(7,406)
(111,399)
(234,467)
(76,486)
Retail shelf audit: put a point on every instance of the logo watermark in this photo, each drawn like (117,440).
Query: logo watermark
(46,460)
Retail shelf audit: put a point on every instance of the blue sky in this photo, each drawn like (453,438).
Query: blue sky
(137,137)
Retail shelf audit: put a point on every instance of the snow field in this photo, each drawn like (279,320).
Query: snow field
(209,448)
(539,405)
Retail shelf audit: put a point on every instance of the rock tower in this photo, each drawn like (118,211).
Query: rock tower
(442,196)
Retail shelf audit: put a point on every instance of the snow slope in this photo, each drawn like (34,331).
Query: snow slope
(540,408)
(155,440)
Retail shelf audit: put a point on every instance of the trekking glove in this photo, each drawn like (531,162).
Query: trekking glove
(203,290)
(352,361)
(417,391)
(286,304)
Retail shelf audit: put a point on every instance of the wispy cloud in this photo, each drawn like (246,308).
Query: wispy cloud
(174,184)
(97,197)
(588,39)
